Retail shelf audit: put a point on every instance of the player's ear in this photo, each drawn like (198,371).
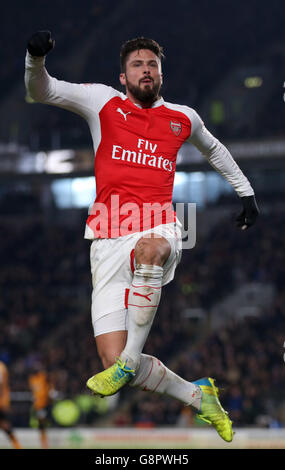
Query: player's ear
(123,79)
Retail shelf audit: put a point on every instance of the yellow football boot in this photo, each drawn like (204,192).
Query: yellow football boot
(211,410)
(111,380)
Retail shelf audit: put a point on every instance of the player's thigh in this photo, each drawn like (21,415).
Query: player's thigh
(110,345)
(111,277)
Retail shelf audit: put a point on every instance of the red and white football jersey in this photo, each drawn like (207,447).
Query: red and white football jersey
(135,151)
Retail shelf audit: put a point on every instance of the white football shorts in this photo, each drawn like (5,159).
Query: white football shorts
(112,267)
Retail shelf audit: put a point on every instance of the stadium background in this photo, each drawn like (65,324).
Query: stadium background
(224,313)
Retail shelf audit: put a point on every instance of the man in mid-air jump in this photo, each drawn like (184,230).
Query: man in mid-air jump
(136,237)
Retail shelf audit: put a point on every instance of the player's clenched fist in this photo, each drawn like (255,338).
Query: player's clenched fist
(40,43)
(249,214)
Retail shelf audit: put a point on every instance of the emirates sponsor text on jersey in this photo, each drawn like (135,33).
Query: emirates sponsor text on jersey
(140,158)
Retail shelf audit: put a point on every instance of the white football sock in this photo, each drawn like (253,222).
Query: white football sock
(143,301)
(153,376)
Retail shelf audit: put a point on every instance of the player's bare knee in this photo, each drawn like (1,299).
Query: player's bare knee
(152,251)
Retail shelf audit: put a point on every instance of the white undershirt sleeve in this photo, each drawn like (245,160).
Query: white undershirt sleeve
(80,98)
(218,156)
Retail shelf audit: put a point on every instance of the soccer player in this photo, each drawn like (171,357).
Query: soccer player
(136,237)
(41,388)
(5,423)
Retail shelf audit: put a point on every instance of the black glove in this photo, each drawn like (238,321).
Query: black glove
(40,43)
(249,214)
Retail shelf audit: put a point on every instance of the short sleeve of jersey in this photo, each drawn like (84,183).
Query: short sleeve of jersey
(100,94)
(196,121)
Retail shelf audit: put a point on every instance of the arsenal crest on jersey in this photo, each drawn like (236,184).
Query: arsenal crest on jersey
(176,127)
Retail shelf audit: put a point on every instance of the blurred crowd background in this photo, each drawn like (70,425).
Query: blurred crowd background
(223,315)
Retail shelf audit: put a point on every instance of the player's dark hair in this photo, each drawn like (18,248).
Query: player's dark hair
(137,44)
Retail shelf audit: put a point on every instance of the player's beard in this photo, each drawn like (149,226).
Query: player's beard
(148,94)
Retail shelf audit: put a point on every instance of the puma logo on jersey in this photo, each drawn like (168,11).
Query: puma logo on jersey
(123,114)
(145,296)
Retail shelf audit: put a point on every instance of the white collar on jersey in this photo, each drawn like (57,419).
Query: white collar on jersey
(157,103)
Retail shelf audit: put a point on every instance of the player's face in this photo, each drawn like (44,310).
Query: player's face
(143,77)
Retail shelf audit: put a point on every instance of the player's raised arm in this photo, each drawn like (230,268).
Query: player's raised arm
(221,159)
(43,88)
